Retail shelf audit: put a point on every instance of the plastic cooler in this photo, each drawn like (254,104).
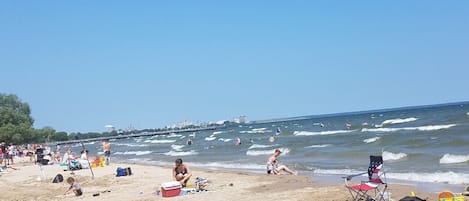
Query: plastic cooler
(170,189)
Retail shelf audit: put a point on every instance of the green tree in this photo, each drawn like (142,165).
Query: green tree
(44,134)
(59,136)
(15,120)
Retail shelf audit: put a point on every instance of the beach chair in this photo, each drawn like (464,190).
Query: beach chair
(374,189)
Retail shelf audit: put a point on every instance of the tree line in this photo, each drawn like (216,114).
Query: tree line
(16,125)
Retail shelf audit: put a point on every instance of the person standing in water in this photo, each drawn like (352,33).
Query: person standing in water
(271,139)
(238,141)
(107,151)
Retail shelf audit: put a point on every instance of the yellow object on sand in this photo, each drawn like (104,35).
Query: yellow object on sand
(449,196)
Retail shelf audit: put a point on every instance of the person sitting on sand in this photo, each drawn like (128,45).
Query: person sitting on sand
(48,159)
(57,156)
(68,156)
(272,165)
(74,186)
(181,172)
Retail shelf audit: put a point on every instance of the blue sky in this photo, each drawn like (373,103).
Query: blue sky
(84,64)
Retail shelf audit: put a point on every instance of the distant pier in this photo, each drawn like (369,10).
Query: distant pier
(133,135)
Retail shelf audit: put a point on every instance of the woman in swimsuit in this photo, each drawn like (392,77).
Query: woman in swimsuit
(181,172)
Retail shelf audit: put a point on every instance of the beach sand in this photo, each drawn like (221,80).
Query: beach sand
(23,184)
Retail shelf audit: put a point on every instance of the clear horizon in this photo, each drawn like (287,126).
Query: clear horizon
(82,66)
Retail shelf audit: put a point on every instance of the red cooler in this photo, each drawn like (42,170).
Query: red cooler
(171,189)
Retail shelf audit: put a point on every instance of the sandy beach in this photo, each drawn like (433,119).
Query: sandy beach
(24,184)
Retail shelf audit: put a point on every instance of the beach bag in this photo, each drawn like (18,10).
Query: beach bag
(123,172)
(58,178)
(128,171)
(120,172)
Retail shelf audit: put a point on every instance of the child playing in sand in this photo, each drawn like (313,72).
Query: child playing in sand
(74,186)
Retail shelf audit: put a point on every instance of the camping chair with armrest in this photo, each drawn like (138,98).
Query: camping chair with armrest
(373,189)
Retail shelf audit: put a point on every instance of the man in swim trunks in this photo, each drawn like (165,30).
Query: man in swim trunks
(272,165)
(107,151)
(181,172)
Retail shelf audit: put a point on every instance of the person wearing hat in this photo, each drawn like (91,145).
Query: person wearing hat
(272,165)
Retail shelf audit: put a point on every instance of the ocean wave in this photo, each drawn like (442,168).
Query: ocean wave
(210,138)
(318,146)
(450,158)
(266,152)
(309,133)
(173,135)
(224,140)
(337,171)
(177,147)
(229,165)
(181,153)
(438,177)
(467,113)
(259,146)
(370,140)
(218,132)
(388,156)
(138,153)
(159,141)
(420,128)
(131,145)
(397,121)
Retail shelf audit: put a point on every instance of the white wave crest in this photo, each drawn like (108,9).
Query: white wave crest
(237,166)
(318,146)
(181,153)
(266,152)
(259,146)
(177,147)
(370,140)
(173,135)
(160,141)
(337,171)
(138,153)
(131,145)
(210,138)
(450,158)
(467,113)
(388,156)
(397,121)
(218,132)
(259,129)
(439,177)
(308,133)
(420,128)
(248,132)
(224,140)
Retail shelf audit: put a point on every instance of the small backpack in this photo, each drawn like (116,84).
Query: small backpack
(58,178)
